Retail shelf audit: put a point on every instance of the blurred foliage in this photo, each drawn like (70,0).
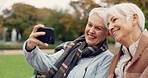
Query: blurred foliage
(20,17)
(67,26)
(146,16)
(19,45)
(81,11)
(111,40)
(24,17)
(10,45)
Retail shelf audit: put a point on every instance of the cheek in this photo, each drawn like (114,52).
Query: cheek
(127,27)
(100,38)
(101,35)
(86,29)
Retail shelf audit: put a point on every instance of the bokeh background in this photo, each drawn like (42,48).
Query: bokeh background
(67,17)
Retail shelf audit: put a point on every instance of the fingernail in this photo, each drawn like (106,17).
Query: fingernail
(46,44)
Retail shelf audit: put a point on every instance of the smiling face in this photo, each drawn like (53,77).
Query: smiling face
(120,28)
(95,31)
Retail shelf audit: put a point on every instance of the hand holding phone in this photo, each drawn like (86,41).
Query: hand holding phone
(49,37)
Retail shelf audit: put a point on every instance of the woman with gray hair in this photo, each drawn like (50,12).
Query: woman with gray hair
(126,24)
(85,57)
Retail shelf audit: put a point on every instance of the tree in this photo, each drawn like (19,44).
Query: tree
(2,30)
(20,17)
(67,26)
(71,26)
(82,9)
(23,17)
(54,22)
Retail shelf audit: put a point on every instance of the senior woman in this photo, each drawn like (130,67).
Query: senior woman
(126,24)
(85,57)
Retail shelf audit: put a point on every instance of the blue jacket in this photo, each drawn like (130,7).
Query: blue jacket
(97,65)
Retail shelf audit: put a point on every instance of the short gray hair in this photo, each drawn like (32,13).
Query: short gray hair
(127,9)
(101,12)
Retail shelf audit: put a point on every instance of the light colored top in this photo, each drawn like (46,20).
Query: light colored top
(97,66)
(125,59)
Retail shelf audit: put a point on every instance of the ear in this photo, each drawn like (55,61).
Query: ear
(135,19)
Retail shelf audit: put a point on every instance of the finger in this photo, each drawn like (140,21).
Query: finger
(37,27)
(36,34)
(31,43)
(39,34)
(45,44)
(31,35)
(38,42)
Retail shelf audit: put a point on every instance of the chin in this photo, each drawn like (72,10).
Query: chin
(117,39)
(89,43)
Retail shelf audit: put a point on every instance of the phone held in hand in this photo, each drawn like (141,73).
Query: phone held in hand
(49,37)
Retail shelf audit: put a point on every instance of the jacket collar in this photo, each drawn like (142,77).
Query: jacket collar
(143,43)
(114,63)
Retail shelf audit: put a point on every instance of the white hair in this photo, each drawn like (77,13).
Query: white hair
(128,9)
(101,12)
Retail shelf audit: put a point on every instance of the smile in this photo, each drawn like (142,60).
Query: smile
(114,32)
(91,36)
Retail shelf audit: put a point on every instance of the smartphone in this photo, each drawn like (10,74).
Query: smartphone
(49,37)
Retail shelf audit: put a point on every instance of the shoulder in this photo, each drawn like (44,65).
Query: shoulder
(144,39)
(108,53)
(104,59)
(145,33)
(105,55)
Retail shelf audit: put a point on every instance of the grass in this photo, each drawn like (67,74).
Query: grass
(14,66)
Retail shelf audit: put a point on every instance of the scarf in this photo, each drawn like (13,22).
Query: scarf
(74,51)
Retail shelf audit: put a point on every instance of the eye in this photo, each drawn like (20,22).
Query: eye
(89,25)
(98,28)
(108,24)
(114,20)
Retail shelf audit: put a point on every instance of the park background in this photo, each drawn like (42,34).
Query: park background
(17,22)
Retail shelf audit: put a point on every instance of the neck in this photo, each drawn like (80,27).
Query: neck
(131,38)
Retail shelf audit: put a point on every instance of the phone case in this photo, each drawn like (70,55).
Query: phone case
(49,37)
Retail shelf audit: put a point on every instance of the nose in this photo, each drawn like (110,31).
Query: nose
(110,26)
(92,30)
